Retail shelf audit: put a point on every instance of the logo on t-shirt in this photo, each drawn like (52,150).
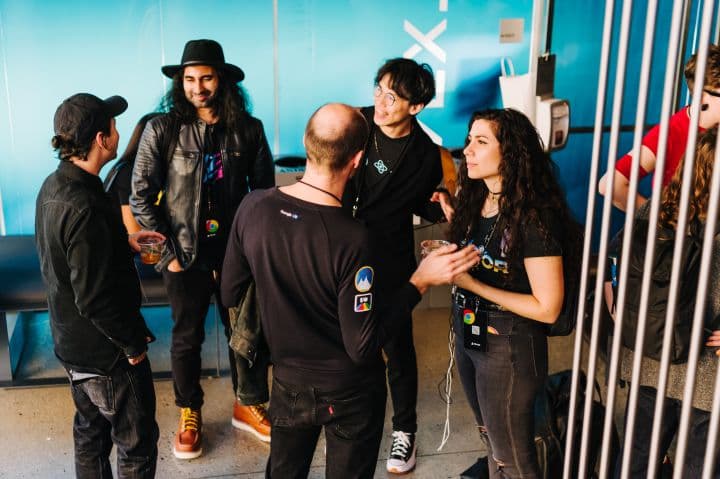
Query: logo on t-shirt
(364,279)
(363,302)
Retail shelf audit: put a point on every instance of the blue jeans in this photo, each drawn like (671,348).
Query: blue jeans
(120,409)
(672,408)
(353,420)
(501,385)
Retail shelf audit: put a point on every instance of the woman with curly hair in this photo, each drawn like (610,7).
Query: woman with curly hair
(511,207)
(707,362)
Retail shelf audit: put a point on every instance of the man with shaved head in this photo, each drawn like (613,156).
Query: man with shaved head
(315,289)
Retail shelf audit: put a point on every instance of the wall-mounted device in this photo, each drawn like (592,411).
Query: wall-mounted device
(552,120)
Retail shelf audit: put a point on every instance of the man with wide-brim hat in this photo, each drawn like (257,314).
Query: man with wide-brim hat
(205,154)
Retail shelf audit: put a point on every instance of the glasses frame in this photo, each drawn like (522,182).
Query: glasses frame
(388,97)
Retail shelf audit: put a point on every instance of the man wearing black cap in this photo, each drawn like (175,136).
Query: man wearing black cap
(100,337)
(204,156)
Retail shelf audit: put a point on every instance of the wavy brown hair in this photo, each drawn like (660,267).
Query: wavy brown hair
(531,193)
(702,177)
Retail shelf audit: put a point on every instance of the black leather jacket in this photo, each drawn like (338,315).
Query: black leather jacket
(247,165)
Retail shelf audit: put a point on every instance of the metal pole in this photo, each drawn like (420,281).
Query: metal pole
(627,236)
(589,215)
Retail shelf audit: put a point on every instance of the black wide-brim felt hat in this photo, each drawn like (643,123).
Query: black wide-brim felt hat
(204,52)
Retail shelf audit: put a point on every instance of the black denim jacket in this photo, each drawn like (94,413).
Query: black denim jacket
(93,290)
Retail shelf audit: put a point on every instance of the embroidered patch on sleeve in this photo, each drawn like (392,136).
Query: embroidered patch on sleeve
(363,302)
(364,279)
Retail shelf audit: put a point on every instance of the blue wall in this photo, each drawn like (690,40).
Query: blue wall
(327,50)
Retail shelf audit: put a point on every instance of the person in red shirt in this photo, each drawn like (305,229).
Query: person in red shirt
(678,127)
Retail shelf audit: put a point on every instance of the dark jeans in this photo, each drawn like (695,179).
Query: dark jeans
(402,377)
(189,293)
(501,385)
(120,409)
(672,408)
(353,421)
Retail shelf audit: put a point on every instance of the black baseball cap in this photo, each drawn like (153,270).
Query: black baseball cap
(81,116)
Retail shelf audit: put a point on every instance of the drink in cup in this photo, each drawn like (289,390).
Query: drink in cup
(151,249)
(430,245)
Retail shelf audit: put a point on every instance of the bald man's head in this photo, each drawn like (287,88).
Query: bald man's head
(333,136)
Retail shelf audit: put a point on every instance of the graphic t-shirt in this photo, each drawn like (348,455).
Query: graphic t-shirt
(494,268)
(383,155)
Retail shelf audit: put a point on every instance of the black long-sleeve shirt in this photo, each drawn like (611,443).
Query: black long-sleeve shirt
(315,286)
(93,290)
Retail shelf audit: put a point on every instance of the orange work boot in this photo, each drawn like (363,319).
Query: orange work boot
(252,419)
(188,439)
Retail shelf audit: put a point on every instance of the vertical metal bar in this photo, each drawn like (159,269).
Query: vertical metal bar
(681,52)
(627,236)
(707,17)
(537,18)
(11,131)
(700,302)
(607,210)
(589,215)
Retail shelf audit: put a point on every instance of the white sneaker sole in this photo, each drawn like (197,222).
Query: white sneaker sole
(248,428)
(187,455)
(406,468)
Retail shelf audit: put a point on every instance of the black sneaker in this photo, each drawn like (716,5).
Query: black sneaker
(402,453)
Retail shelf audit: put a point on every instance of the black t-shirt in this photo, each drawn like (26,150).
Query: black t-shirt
(315,285)
(494,268)
(383,154)
(212,232)
(117,182)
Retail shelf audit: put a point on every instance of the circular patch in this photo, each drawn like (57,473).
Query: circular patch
(468,316)
(364,279)
(211,226)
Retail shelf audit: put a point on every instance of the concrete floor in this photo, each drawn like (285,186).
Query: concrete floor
(36,423)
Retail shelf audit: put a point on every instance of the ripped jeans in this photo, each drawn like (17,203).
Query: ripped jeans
(501,384)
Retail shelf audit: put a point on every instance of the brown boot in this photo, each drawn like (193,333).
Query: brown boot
(252,419)
(188,439)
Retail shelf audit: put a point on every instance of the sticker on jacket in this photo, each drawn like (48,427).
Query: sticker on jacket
(363,302)
(364,279)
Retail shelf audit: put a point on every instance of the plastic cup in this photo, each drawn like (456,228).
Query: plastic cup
(430,245)
(151,249)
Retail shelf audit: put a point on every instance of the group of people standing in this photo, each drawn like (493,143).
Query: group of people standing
(327,265)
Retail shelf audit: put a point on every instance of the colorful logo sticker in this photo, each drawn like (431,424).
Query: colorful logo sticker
(492,330)
(363,302)
(364,279)
(212,226)
(468,316)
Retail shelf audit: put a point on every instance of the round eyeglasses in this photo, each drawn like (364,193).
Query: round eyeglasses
(387,96)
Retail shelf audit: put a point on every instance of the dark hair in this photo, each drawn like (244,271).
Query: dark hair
(67,147)
(334,147)
(131,149)
(230,103)
(712,68)
(409,79)
(530,190)
(700,196)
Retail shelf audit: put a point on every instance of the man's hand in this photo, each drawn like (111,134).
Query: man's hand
(443,197)
(174,266)
(713,341)
(135,360)
(443,265)
(134,238)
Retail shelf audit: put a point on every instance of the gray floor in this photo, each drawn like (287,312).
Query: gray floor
(36,434)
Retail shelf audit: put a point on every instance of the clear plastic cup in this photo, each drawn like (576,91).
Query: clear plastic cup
(430,245)
(151,249)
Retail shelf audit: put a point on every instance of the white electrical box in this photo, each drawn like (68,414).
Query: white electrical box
(552,120)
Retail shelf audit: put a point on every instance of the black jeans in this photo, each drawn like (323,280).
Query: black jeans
(189,293)
(353,420)
(402,377)
(501,385)
(672,408)
(120,409)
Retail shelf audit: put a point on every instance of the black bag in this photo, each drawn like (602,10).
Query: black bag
(659,291)
(572,269)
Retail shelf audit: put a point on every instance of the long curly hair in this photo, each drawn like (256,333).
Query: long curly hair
(230,103)
(702,177)
(530,190)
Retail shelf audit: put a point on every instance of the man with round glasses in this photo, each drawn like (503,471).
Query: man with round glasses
(398,174)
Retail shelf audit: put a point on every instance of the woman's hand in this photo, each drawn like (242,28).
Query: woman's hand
(443,265)
(463,280)
(713,341)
